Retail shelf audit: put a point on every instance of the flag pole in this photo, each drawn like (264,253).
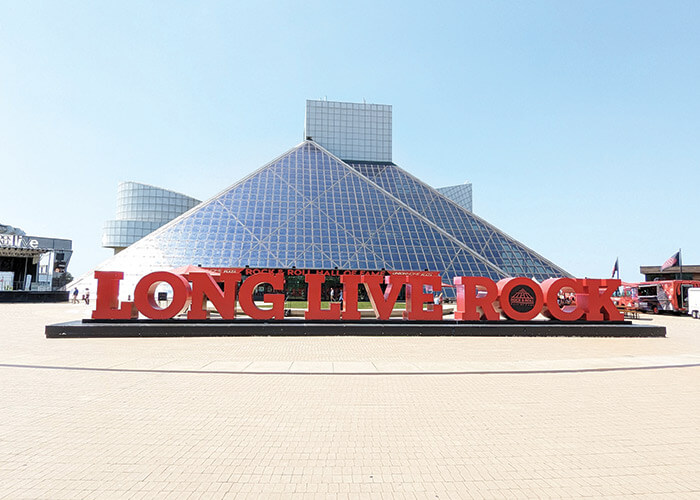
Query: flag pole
(680,266)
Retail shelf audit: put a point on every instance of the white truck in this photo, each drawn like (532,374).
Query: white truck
(694,302)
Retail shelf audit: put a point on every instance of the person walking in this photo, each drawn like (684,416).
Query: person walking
(75,295)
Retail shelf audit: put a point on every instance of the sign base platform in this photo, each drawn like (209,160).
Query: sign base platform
(32,296)
(299,328)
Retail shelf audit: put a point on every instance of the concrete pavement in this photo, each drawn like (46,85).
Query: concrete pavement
(346,417)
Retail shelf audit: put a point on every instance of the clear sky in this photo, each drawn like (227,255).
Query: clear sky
(577,122)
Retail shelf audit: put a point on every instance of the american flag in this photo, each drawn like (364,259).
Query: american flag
(672,260)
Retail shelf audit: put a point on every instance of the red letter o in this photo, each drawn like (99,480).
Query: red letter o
(520,298)
(551,288)
(144,295)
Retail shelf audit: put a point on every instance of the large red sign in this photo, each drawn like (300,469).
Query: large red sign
(478,298)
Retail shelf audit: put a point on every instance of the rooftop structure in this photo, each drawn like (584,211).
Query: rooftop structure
(654,273)
(351,131)
(141,209)
(461,194)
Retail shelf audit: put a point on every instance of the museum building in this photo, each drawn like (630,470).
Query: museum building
(336,201)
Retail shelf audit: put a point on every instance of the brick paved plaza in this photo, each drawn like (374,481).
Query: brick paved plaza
(346,417)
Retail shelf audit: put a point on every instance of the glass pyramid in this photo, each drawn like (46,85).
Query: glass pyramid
(309,209)
(509,255)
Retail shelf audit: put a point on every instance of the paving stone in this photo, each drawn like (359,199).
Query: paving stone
(346,417)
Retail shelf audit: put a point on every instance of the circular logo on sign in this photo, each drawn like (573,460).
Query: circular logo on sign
(522,298)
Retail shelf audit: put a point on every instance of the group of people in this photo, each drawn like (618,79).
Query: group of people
(566,299)
(85,298)
(336,296)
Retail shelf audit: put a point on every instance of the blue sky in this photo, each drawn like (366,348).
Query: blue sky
(578,123)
